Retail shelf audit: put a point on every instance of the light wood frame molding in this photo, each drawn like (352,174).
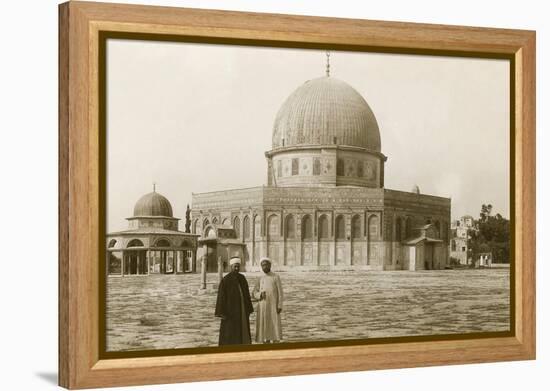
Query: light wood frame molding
(80,24)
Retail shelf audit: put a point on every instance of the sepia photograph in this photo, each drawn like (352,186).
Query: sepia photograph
(262,195)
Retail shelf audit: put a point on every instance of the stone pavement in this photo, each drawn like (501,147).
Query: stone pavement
(165,311)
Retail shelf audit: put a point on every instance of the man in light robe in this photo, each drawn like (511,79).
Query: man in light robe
(269,293)
(234,307)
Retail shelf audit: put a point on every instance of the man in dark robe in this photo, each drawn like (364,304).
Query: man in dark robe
(234,307)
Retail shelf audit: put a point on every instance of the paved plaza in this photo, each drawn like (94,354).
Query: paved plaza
(165,311)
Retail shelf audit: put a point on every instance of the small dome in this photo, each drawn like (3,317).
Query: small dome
(326,111)
(153,204)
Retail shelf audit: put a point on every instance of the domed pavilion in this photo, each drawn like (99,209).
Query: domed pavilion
(325,206)
(152,244)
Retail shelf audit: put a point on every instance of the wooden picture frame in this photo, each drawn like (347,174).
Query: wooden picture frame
(80,189)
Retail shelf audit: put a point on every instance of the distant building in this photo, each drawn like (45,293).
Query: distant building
(325,206)
(459,249)
(152,243)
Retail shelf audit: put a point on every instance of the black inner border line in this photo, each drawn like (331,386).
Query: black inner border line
(102,90)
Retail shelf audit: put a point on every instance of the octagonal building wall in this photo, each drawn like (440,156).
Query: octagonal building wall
(331,228)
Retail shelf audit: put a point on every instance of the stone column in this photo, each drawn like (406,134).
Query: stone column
(298,235)
(332,236)
(204,259)
(282,239)
(392,238)
(315,243)
(220,268)
(388,236)
(349,239)
(315,252)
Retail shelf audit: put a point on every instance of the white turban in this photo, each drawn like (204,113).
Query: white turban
(265,259)
(234,260)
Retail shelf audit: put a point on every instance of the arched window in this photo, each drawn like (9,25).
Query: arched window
(225,221)
(398,229)
(340,167)
(307,227)
(453,245)
(237,226)
(323,227)
(273,226)
(360,172)
(437,226)
(135,243)
(408,228)
(295,166)
(195,225)
(290,227)
(257,227)
(215,220)
(340,227)
(205,223)
(246,227)
(162,243)
(316,166)
(356,227)
(112,243)
(373,227)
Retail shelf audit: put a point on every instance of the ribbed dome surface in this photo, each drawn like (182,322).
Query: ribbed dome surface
(326,111)
(153,204)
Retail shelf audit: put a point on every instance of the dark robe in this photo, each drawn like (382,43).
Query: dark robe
(234,307)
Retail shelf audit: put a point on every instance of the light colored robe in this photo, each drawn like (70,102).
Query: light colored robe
(268,321)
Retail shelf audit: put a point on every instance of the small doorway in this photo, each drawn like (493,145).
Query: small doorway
(428,256)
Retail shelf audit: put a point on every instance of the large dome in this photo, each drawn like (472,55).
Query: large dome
(153,204)
(326,111)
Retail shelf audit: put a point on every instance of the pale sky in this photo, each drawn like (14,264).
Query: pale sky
(196,118)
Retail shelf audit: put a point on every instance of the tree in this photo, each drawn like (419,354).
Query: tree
(188,220)
(485,212)
(491,234)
